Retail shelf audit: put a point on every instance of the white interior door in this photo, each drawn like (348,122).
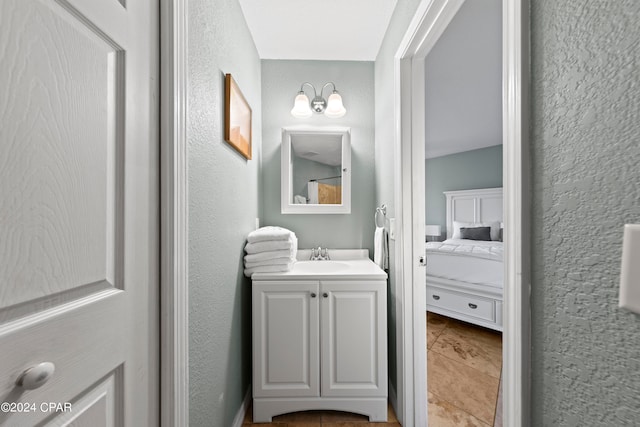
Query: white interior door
(79,211)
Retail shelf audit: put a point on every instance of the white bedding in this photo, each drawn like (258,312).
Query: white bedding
(470,261)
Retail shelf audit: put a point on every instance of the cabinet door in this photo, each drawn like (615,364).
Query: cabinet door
(354,338)
(285,339)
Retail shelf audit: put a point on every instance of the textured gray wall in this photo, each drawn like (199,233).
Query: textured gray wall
(385,153)
(281,81)
(223,205)
(480,168)
(585,147)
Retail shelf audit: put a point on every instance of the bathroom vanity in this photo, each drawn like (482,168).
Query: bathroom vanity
(320,337)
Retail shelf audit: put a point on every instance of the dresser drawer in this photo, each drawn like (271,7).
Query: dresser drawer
(469,305)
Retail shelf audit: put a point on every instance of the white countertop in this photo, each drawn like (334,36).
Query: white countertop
(344,265)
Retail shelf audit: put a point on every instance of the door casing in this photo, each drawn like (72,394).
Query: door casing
(174,225)
(429,22)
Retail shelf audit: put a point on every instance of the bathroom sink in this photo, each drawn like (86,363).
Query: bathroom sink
(315,267)
(345,264)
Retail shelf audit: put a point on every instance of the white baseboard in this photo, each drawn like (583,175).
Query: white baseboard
(242,411)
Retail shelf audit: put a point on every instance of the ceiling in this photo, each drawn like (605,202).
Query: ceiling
(463,82)
(326,149)
(330,30)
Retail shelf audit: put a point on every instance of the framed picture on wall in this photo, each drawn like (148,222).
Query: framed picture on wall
(237,118)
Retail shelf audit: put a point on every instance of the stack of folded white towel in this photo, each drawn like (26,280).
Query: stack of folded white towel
(270,250)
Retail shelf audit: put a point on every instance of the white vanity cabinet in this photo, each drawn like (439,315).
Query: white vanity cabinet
(319,345)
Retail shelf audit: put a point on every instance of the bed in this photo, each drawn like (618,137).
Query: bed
(464,274)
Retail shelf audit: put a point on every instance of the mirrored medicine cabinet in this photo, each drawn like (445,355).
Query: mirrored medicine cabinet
(316,170)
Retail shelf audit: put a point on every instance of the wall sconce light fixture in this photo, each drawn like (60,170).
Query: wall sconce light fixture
(331,107)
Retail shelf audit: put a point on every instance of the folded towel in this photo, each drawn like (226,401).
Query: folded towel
(268,269)
(264,256)
(381,248)
(269,233)
(268,246)
(273,261)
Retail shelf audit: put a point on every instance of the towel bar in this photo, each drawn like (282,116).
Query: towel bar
(381,210)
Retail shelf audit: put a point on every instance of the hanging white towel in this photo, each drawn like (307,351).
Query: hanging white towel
(312,189)
(381,248)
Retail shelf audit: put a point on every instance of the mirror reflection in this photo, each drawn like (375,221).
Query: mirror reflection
(316,169)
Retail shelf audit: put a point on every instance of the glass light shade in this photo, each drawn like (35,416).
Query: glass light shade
(335,109)
(301,107)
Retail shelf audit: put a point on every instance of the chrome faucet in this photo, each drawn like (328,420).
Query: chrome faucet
(319,254)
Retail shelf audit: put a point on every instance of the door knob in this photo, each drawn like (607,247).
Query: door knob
(36,376)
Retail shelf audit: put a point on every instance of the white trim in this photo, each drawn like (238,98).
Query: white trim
(242,411)
(286,171)
(430,20)
(517,312)
(174,302)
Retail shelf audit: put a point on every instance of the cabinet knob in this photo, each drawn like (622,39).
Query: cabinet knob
(436,297)
(36,376)
(313,294)
(474,306)
(325,295)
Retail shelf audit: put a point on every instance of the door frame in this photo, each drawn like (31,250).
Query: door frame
(429,22)
(174,225)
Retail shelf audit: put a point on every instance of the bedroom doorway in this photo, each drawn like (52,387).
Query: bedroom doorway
(430,21)
(463,213)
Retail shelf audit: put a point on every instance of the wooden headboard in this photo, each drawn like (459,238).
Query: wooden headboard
(481,205)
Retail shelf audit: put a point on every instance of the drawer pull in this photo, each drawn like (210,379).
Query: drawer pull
(313,294)
(436,297)
(325,295)
(473,306)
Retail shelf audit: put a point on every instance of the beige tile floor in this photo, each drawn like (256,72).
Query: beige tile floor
(464,364)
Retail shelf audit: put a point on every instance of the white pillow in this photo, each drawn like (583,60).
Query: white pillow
(495,228)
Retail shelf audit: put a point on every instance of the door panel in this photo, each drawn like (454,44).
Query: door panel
(353,339)
(58,157)
(97,408)
(286,339)
(79,208)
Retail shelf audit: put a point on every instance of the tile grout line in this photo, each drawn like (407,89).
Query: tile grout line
(459,408)
(474,369)
(470,367)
